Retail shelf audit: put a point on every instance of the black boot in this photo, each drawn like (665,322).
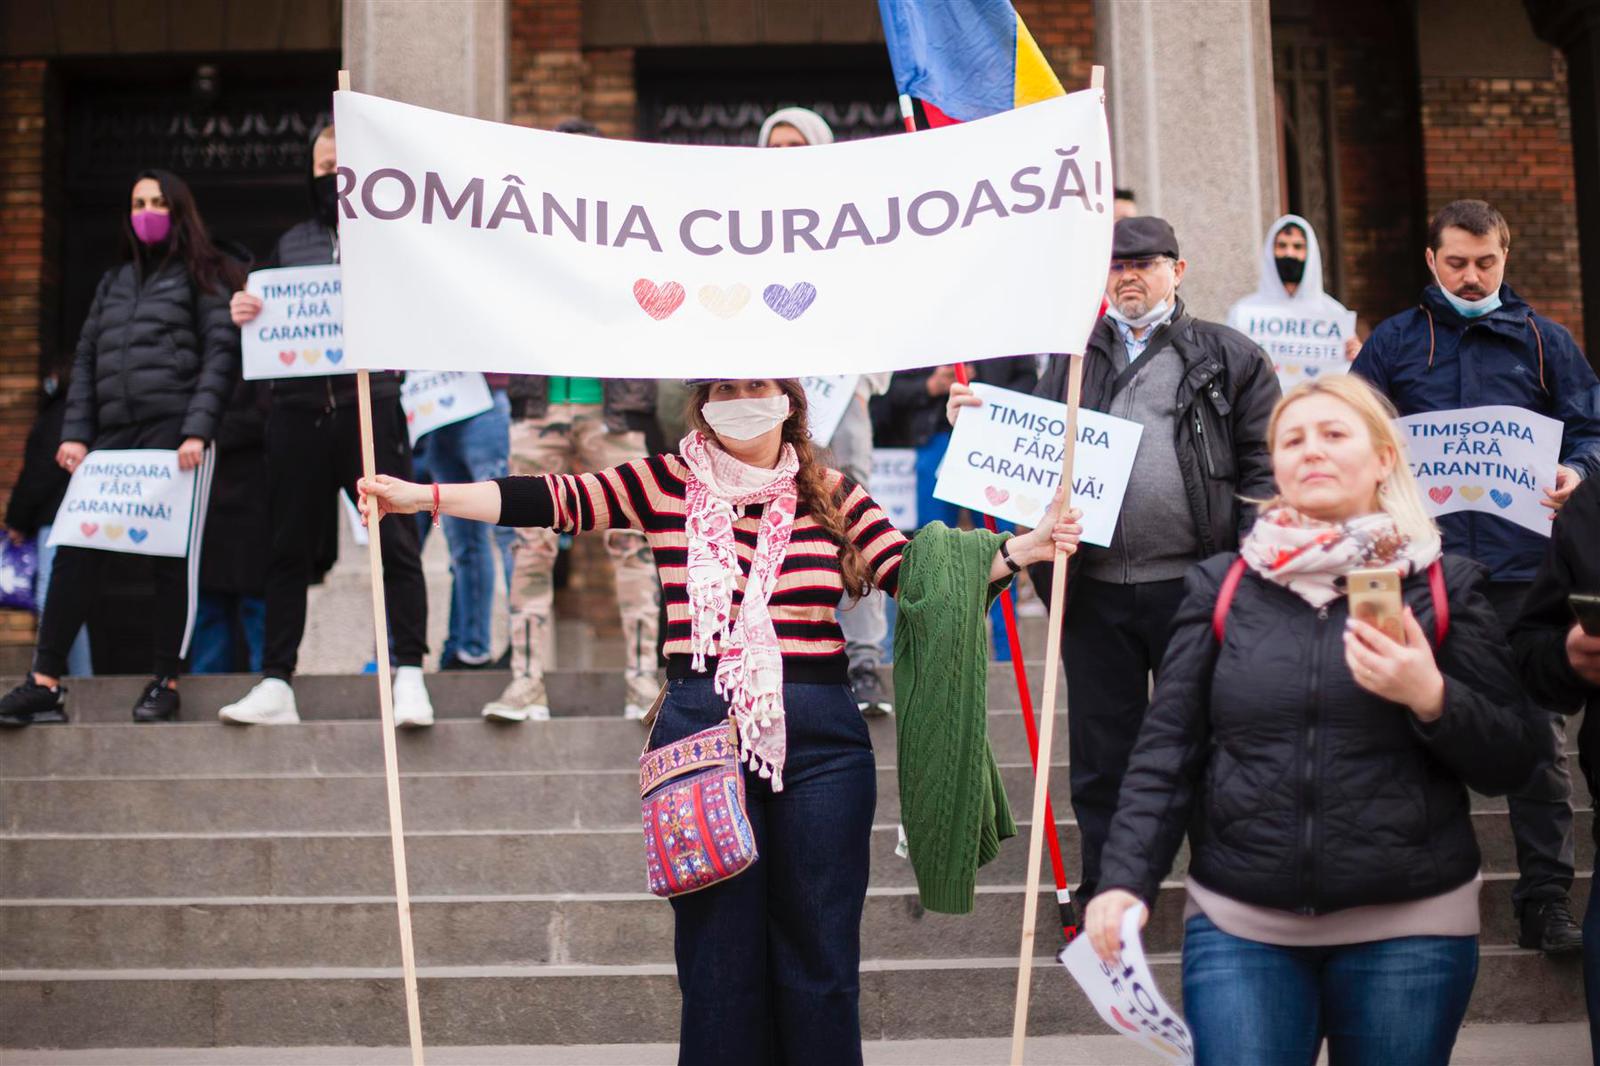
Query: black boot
(158,703)
(31,703)
(1547,926)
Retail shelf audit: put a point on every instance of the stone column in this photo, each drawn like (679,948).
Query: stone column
(1194,131)
(449,55)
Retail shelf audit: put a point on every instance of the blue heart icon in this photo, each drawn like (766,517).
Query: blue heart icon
(1501,500)
(334,355)
(138,535)
(447,401)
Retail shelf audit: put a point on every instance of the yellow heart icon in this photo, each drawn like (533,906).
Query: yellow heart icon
(311,356)
(724,302)
(1472,493)
(426,408)
(113,532)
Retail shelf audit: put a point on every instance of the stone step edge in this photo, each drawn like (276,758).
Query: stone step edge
(881,891)
(553,971)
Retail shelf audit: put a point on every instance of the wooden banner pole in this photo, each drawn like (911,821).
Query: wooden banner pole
(1047,709)
(391,757)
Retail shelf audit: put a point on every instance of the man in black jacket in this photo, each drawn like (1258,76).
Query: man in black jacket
(1560,664)
(1203,393)
(314,452)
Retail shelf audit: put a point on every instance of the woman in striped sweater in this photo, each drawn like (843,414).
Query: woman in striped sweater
(755,543)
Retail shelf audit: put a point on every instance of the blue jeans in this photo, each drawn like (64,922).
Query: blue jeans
(1393,1002)
(475,449)
(769,961)
(230,634)
(78,662)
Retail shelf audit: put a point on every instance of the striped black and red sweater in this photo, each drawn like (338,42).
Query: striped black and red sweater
(649,495)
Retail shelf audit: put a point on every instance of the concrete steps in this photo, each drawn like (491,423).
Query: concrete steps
(196,885)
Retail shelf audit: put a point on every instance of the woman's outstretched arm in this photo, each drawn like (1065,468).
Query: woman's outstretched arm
(478,501)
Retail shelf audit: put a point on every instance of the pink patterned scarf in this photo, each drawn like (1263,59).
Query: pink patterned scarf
(749,663)
(1310,558)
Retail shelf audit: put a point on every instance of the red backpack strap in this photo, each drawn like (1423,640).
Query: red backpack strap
(1441,602)
(1230,585)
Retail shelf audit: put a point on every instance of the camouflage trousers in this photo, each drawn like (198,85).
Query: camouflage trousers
(572,439)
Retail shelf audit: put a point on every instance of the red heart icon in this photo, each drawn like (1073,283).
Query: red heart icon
(995,496)
(89,529)
(411,416)
(658,302)
(1440,494)
(1125,1023)
(286,358)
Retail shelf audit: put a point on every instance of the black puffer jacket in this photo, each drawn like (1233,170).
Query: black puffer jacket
(152,348)
(1302,791)
(312,244)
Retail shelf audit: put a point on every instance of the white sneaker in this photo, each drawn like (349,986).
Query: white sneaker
(634,713)
(271,702)
(412,708)
(522,700)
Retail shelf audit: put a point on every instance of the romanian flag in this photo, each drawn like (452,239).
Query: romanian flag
(963,59)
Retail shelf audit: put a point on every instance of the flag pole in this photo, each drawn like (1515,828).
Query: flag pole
(1052,671)
(1008,612)
(391,757)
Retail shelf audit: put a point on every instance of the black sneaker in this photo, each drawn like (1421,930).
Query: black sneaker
(451,662)
(871,698)
(158,703)
(1547,926)
(31,703)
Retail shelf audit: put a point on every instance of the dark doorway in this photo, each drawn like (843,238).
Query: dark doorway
(235,128)
(721,95)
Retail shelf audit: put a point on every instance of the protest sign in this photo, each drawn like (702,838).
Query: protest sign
(438,398)
(1005,460)
(1125,994)
(878,254)
(894,485)
(134,501)
(1301,344)
(827,399)
(1496,459)
(300,330)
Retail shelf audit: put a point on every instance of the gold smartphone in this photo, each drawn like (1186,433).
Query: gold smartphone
(1375,599)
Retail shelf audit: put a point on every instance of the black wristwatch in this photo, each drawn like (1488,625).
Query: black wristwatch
(1005,554)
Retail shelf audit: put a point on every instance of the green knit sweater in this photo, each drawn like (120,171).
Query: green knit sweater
(952,801)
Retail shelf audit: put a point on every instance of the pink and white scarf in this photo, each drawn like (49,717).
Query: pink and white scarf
(749,664)
(1311,558)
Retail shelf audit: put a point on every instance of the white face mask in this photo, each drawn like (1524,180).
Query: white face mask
(1150,317)
(745,419)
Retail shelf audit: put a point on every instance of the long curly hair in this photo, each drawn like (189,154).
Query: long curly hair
(812,481)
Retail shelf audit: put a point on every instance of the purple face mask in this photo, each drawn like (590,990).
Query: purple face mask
(151,227)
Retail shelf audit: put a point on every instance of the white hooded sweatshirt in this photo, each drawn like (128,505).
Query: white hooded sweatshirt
(1308,298)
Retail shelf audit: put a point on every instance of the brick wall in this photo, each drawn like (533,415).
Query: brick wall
(28,237)
(1064,31)
(1509,141)
(552,77)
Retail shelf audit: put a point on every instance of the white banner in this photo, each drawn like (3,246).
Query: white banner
(1497,459)
(300,330)
(1005,460)
(657,260)
(894,485)
(827,399)
(438,398)
(134,501)
(1301,344)
(1125,994)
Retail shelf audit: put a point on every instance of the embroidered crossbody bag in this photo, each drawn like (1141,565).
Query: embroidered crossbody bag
(691,797)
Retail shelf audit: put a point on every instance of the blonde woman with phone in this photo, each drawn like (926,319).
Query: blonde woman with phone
(1321,766)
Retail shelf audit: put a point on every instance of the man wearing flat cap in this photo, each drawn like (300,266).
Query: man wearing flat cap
(1203,393)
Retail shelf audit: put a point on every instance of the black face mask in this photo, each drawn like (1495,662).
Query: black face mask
(1290,269)
(325,200)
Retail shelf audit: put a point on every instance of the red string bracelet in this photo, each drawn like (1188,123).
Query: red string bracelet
(436,505)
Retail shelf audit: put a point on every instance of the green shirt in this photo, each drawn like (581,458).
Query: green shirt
(576,390)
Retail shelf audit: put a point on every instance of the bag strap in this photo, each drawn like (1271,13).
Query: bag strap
(1436,586)
(1230,585)
(1441,602)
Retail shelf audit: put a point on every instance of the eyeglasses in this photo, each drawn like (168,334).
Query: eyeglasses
(1139,266)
